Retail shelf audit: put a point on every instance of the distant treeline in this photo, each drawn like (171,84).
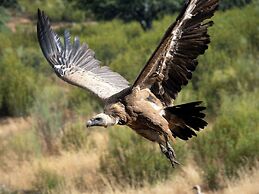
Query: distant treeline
(144,12)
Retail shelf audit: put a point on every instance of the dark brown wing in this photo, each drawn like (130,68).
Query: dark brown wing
(171,65)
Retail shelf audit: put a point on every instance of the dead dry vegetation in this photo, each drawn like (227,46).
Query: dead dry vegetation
(79,172)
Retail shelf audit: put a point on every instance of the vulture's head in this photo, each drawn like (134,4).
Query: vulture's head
(103,120)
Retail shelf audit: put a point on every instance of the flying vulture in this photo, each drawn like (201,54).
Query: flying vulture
(146,106)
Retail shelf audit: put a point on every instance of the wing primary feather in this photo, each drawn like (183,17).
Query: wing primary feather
(67,43)
(179,49)
(76,63)
(43,36)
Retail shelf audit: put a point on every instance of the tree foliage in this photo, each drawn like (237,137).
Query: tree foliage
(227,4)
(143,12)
(8,3)
(3,18)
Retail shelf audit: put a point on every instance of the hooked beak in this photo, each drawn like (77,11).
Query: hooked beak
(95,122)
(91,123)
(88,123)
(102,120)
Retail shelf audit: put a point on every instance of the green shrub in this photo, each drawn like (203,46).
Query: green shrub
(4,16)
(233,142)
(54,8)
(227,4)
(132,160)
(74,137)
(18,80)
(8,3)
(57,10)
(82,101)
(17,85)
(48,112)
(74,15)
(48,181)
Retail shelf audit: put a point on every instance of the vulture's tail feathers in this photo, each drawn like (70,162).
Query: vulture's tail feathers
(185,119)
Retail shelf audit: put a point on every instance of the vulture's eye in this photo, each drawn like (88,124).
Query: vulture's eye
(121,122)
(98,119)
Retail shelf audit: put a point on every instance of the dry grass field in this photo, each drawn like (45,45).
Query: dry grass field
(78,171)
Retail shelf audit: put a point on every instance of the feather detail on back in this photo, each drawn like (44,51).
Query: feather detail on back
(76,63)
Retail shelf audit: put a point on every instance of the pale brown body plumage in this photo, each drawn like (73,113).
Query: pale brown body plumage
(146,105)
(144,113)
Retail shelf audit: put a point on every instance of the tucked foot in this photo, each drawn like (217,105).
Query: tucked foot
(170,153)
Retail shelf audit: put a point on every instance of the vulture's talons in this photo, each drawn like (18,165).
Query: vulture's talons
(172,159)
(170,149)
(170,153)
(163,149)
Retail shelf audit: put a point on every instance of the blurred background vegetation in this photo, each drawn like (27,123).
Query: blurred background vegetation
(124,34)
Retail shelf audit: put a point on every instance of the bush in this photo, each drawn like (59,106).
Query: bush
(132,160)
(82,101)
(49,113)
(17,85)
(54,8)
(4,15)
(227,4)
(57,10)
(8,3)
(74,137)
(18,80)
(233,142)
(48,181)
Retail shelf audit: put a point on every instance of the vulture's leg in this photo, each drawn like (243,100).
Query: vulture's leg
(169,152)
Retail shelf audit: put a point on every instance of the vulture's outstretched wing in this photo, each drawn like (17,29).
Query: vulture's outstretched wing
(76,63)
(171,65)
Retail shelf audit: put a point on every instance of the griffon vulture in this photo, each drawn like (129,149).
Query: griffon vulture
(146,106)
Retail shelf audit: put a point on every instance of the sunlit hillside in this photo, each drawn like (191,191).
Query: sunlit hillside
(45,147)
